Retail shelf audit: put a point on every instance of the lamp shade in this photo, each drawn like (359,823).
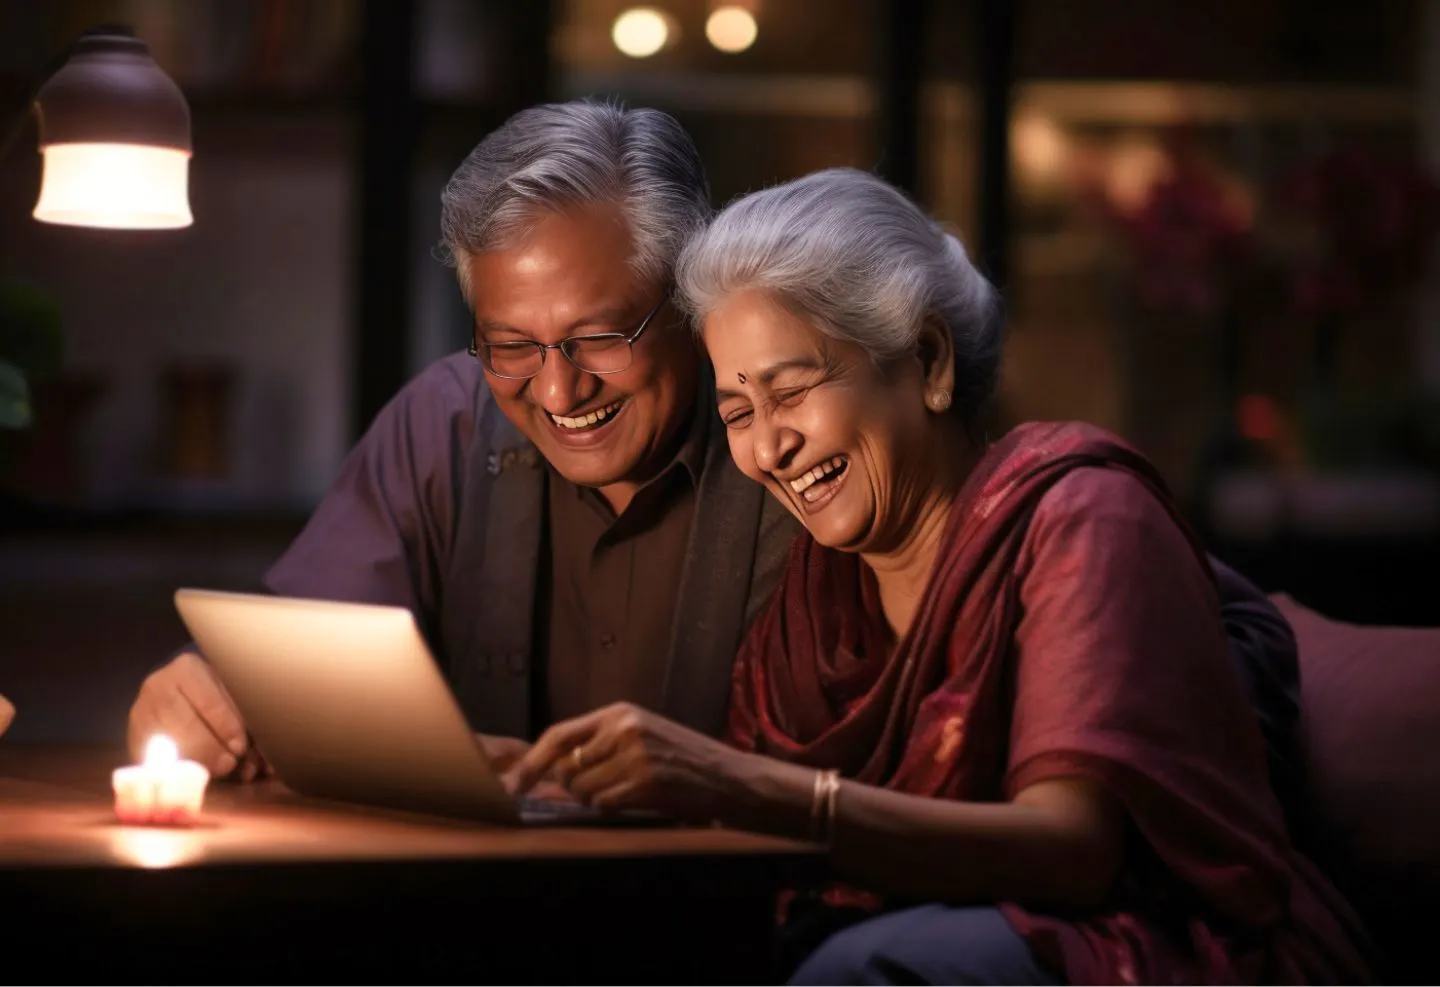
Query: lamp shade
(115,137)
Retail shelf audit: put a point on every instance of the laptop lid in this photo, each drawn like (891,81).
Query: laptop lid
(346,701)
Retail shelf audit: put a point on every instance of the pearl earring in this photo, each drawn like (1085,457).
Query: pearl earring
(939,400)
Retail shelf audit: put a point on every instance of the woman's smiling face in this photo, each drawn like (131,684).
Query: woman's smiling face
(844,444)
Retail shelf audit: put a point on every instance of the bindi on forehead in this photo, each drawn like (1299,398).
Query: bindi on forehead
(740,377)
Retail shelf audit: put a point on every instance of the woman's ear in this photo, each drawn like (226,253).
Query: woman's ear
(935,351)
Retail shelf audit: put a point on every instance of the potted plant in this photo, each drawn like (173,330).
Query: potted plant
(43,405)
(31,350)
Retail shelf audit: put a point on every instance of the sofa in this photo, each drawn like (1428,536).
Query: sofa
(1369,745)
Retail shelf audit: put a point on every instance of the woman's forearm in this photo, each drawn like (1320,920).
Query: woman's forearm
(1059,843)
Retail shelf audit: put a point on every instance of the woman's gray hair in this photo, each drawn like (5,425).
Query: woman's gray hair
(854,256)
(557,155)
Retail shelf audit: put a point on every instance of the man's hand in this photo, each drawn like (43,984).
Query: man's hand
(185,700)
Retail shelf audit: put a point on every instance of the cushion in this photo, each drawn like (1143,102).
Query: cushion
(1369,735)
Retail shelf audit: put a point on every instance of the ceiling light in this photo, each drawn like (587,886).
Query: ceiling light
(640,32)
(731,29)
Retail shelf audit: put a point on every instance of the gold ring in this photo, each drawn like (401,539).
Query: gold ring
(577,755)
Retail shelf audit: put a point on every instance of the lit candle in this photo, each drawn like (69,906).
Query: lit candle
(162,789)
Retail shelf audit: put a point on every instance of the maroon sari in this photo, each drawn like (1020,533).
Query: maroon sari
(1070,629)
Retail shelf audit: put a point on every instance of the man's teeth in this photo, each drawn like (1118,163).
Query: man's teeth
(803,482)
(585,421)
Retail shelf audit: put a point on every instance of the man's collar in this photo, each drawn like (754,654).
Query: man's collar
(692,450)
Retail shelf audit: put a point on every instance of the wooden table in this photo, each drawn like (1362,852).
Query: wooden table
(274,887)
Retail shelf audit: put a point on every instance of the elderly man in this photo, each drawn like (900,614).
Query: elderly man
(558,506)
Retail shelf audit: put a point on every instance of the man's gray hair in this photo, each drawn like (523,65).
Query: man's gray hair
(557,155)
(854,256)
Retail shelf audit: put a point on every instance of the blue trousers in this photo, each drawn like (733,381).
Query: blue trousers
(929,944)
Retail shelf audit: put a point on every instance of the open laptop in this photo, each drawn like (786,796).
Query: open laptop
(348,704)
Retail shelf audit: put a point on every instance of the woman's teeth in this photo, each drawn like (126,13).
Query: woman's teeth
(808,479)
(585,421)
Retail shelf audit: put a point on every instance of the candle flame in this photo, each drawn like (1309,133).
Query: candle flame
(161,750)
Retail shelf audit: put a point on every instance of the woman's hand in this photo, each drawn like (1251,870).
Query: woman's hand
(502,752)
(624,757)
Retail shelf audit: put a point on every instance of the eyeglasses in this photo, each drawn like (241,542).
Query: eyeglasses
(599,353)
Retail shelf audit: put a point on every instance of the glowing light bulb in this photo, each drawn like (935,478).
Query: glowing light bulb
(115,186)
(731,29)
(640,32)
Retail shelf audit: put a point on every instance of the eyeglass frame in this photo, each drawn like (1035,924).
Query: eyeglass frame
(545,348)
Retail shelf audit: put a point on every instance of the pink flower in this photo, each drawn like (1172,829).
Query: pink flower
(1185,238)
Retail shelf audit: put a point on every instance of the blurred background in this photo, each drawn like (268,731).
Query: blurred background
(1214,225)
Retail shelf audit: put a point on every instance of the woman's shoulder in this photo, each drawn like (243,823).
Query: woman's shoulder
(1103,472)
(1101,491)
(1107,483)
(1059,438)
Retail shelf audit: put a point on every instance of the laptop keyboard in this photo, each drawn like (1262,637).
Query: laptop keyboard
(545,810)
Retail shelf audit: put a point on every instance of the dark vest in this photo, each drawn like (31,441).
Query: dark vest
(738,539)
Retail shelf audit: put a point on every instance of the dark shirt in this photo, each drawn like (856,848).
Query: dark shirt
(609,604)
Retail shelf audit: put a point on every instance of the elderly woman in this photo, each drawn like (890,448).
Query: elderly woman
(994,679)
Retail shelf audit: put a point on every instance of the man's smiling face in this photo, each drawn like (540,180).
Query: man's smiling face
(570,275)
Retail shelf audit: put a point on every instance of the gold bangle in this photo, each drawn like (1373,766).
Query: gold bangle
(822,807)
(817,807)
(832,800)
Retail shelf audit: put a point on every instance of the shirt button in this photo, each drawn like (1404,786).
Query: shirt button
(607,641)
